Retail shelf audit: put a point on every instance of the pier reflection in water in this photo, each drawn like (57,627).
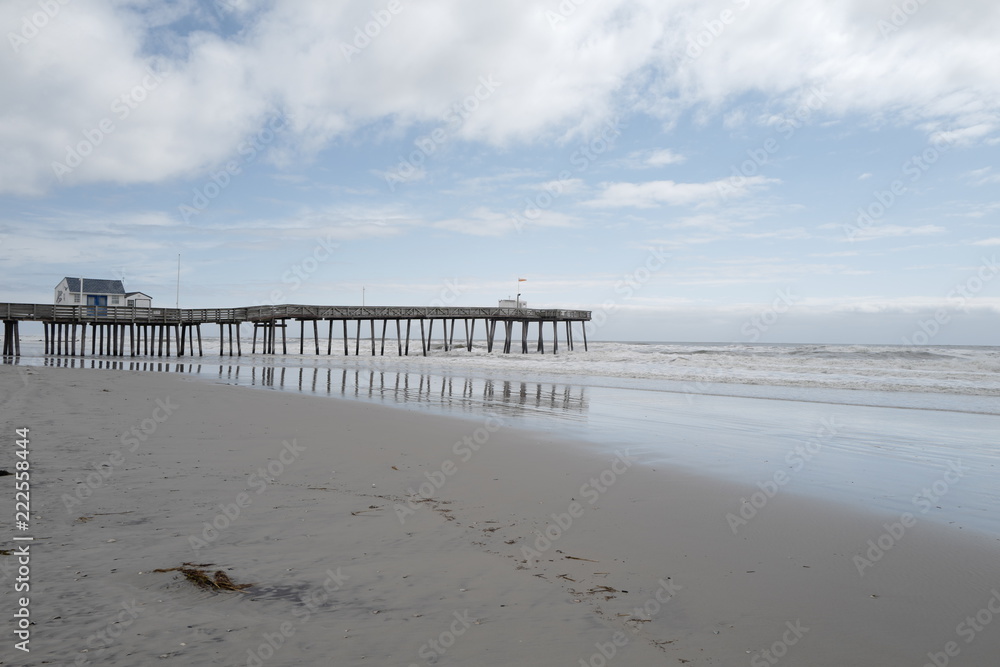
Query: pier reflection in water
(446,393)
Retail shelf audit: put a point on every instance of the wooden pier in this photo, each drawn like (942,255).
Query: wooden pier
(136,331)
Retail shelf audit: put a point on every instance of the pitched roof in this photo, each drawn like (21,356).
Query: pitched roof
(137,294)
(95,286)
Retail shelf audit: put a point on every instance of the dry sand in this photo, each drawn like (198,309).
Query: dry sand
(349,568)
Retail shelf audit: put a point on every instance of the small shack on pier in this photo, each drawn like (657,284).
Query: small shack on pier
(138,300)
(513,303)
(90,292)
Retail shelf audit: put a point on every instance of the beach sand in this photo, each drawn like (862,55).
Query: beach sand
(312,501)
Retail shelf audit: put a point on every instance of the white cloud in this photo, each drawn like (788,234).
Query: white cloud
(973,209)
(663,157)
(734,119)
(485,222)
(650,158)
(340,223)
(44,247)
(564,187)
(843,253)
(790,234)
(896,231)
(654,193)
(984,176)
(515,76)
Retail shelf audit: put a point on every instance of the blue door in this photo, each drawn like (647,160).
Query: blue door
(97,305)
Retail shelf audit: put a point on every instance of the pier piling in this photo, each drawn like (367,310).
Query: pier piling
(171,332)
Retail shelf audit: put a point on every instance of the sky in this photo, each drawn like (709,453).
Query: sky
(722,170)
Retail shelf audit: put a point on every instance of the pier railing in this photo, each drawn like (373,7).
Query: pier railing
(123,314)
(137,314)
(293,311)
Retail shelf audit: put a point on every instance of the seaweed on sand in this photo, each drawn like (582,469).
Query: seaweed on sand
(218,581)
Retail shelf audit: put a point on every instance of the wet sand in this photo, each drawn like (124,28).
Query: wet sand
(375,535)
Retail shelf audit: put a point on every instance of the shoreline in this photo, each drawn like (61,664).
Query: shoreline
(882,461)
(329,516)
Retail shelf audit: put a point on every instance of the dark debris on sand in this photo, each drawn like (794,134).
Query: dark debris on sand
(194,572)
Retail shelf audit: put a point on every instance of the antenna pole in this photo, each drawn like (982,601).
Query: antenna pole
(178,303)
